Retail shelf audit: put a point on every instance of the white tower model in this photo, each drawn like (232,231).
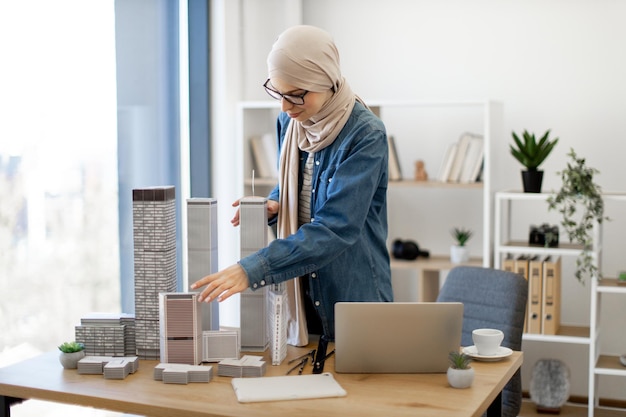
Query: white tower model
(181,328)
(263,312)
(202,251)
(253,304)
(154,239)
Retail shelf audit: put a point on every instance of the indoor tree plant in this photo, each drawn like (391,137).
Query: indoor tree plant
(580,202)
(459,252)
(71,353)
(531,154)
(460,374)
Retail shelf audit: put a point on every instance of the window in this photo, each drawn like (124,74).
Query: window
(59,245)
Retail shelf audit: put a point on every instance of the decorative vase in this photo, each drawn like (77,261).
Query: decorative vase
(532,180)
(460,378)
(549,385)
(459,254)
(70,360)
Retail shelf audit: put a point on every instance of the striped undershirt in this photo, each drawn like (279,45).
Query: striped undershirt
(304,202)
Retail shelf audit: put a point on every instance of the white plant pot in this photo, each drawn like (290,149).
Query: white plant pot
(70,360)
(459,254)
(460,378)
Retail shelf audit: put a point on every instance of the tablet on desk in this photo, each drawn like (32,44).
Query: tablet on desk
(280,388)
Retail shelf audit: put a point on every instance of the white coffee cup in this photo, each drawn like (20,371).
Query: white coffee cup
(487,341)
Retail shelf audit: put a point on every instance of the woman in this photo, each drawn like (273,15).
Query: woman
(330,203)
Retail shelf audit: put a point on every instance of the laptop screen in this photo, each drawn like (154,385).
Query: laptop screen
(386,337)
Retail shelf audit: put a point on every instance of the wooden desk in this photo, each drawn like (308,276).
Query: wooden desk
(368,394)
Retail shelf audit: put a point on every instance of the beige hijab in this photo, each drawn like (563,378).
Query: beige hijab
(307,58)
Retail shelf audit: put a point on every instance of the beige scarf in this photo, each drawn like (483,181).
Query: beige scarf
(307,58)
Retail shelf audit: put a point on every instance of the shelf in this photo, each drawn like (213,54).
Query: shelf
(434,263)
(567,334)
(610,285)
(609,365)
(436,184)
(590,336)
(267,182)
(523,247)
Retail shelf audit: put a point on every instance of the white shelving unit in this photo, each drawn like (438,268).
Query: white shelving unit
(421,130)
(254,118)
(590,336)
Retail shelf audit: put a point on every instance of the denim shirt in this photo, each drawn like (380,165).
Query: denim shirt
(343,250)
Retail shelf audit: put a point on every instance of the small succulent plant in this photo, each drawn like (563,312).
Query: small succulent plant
(461,235)
(70,347)
(459,360)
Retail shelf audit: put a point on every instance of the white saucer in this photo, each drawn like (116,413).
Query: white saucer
(502,353)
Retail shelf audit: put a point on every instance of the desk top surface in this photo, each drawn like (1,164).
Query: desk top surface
(430,395)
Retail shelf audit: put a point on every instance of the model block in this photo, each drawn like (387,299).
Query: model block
(202,251)
(181,328)
(254,313)
(154,240)
(218,345)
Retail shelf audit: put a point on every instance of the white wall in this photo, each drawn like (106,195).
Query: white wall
(555,64)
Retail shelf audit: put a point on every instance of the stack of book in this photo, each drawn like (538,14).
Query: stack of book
(543,313)
(463,160)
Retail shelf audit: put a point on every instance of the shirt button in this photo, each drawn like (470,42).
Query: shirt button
(313,275)
(312,218)
(317,162)
(262,282)
(313,190)
(317,303)
(255,285)
(330,180)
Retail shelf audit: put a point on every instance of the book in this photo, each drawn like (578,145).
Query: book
(473,160)
(508,264)
(459,158)
(535,291)
(265,154)
(395,173)
(446,162)
(551,295)
(521,267)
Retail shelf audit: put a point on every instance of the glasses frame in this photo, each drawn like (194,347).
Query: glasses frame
(295,99)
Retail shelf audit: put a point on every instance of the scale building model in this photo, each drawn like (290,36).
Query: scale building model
(181,328)
(202,251)
(107,334)
(253,304)
(263,314)
(154,240)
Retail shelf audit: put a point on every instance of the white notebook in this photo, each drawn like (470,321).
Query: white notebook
(290,387)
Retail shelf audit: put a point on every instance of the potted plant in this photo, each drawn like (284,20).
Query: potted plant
(459,253)
(460,374)
(71,353)
(531,154)
(579,200)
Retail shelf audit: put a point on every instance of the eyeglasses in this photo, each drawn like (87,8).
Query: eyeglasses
(297,99)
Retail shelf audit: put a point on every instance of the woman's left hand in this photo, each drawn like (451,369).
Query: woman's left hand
(222,284)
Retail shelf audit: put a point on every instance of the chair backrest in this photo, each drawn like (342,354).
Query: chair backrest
(495,299)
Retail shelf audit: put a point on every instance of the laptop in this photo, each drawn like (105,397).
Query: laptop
(387,337)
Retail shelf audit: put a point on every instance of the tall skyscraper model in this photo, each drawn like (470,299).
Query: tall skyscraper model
(202,251)
(263,313)
(154,239)
(253,304)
